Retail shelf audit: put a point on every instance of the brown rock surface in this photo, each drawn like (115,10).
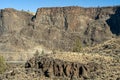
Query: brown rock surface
(57,27)
(50,67)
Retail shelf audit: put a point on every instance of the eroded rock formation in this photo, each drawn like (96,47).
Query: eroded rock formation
(50,67)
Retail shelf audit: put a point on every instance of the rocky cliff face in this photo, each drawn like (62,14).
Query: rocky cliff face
(11,24)
(58,27)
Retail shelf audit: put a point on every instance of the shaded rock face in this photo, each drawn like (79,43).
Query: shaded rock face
(50,67)
(58,27)
(114,22)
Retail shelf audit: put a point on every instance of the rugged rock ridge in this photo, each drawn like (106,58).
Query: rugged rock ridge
(50,67)
(58,27)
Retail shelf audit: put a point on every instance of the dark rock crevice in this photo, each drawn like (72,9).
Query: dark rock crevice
(65,19)
(66,24)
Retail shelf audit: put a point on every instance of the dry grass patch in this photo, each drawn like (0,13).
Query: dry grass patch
(81,57)
(107,45)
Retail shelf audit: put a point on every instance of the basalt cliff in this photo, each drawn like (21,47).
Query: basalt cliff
(58,27)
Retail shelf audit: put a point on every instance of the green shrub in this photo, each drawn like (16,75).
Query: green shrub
(39,54)
(36,53)
(42,52)
(2,65)
(53,51)
(77,46)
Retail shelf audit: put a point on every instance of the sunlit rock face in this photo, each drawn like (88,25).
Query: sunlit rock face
(57,27)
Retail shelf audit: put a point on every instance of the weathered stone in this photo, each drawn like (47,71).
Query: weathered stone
(54,67)
(118,79)
(58,27)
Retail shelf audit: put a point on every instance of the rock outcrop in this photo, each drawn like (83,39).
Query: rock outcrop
(50,67)
(11,24)
(57,27)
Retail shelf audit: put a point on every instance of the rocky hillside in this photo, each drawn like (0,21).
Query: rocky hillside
(67,66)
(57,28)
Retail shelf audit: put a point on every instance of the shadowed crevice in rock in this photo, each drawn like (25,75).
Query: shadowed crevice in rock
(2,27)
(66,24)
(114,22)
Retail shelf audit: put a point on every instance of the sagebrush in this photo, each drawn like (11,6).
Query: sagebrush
(2,65)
